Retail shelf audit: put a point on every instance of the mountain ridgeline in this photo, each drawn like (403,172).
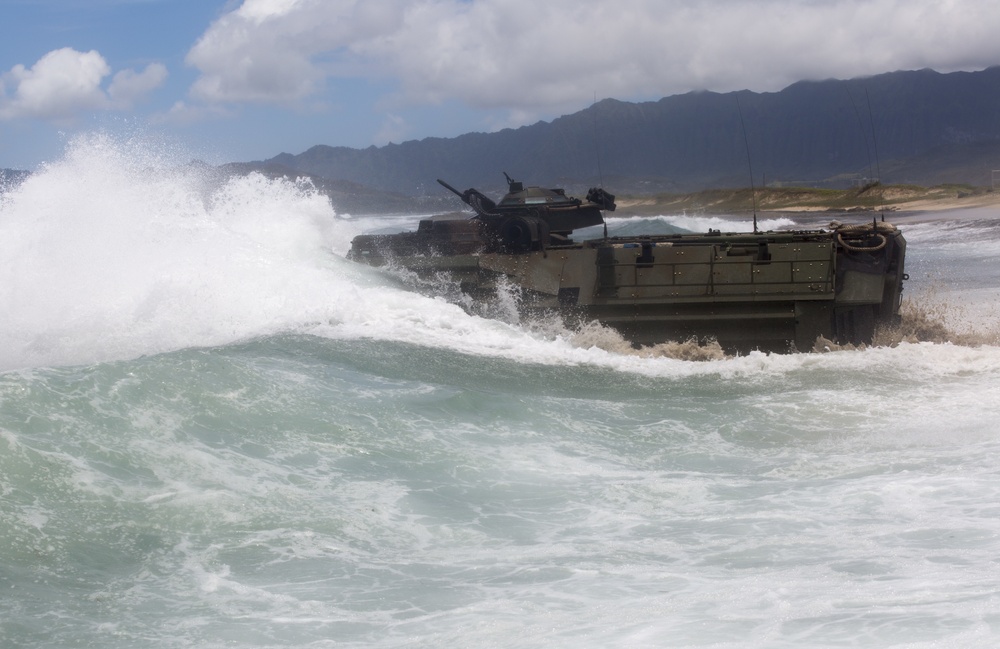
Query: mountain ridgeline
(920,127)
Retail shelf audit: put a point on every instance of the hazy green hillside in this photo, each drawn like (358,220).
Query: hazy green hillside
(905,127)
(873,198)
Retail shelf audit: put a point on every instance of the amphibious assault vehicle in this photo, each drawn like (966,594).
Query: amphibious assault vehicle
(774,290)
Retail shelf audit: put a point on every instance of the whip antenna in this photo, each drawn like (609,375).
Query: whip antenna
(874,141)
(597,153)
(878,171)
(871,122)
(753,190)
(861,127)
(597,144)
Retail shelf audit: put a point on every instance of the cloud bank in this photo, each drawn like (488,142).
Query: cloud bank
(527,57)
(65,82)
(378,65)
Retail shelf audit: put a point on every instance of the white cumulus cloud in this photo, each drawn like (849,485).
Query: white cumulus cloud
(283,50)
(531,57)
(65,82)
(129,86)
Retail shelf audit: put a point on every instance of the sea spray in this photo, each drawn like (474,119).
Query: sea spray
(117,251)
(108,254)
(355,464)
(299,490)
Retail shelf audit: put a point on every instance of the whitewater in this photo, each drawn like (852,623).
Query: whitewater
(215,431)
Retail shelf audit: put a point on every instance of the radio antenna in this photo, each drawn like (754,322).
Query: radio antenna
(861,127)
(753,190)
(597,143)
(872,178)
(597,152)
(871,121)
(877,179)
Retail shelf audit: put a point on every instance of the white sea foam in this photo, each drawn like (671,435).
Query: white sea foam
(413,474)
(110,253)
(116,252)
(700,223)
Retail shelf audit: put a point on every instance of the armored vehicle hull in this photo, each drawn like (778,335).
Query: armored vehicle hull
(775,291)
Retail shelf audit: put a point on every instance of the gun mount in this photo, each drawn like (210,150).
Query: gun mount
(530,218)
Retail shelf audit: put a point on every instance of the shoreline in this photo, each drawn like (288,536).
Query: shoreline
(877,200)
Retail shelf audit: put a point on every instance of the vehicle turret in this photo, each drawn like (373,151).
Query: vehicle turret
(530,218)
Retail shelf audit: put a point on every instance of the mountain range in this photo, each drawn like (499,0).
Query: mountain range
(911,127)
(919,127)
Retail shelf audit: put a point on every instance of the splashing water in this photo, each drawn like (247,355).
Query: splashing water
(261,444)
(118,250)
(109,253)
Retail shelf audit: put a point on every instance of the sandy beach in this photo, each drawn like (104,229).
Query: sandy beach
(904,199)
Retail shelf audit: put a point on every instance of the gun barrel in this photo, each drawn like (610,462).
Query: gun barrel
(452,189)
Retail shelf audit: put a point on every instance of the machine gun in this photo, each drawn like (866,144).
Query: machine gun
(478,201)
(529,218)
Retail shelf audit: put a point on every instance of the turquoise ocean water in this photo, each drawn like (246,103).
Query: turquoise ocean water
(217,432)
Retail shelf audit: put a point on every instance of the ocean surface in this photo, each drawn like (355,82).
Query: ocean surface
(217,432)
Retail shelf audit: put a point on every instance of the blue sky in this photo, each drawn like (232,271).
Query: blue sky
(238,80)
